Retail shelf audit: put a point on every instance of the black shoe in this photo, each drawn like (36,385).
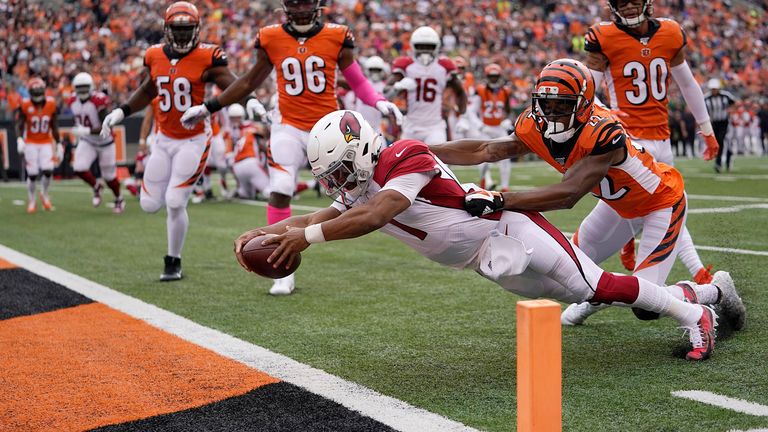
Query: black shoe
(172,270)
(209,195)
(316,187)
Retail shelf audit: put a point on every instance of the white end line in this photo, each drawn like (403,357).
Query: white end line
(734,404)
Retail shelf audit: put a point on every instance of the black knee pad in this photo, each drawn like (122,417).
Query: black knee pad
(32,177)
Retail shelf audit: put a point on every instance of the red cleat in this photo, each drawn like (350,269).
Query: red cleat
(702,336)
(627,255)
(703,276)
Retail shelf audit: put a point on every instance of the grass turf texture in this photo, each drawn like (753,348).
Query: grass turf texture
(374,312)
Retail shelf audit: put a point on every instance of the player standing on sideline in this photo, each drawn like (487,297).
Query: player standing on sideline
(635,55)
(177,73)
(89,109)
(408,193)
(495,110)
(305,53)
(425,76)
(37,140)
(592,151)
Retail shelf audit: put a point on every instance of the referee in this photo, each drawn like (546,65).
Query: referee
(718,101)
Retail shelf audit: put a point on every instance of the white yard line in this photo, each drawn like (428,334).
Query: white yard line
(727,198)
(733,209)
(734,404)
(387,410)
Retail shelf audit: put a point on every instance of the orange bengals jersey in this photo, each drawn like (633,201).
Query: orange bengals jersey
(493,104)
(638,72)
(306,70)
(636,187)
(37,121)
(180,85)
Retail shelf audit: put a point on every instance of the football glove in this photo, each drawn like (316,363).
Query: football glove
(706,132)
(405,84)
(194,116)
(482,202)
(116,116)
(20,145)
(254,109)
(387,108)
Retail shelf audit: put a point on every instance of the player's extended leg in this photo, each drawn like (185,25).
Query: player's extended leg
(286,155)
(32,166)
(108,166)
(45,159)
(560,270)
(188,158)
(85,154)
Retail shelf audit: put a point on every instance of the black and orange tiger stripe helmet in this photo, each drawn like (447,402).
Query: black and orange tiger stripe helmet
(182,26)
(563,97)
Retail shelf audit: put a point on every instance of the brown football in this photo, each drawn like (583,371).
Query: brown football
(255,256)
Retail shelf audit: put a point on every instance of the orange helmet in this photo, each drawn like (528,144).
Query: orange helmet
(493,75)
(562,99)
(36,87)
(460,63)
(182,26)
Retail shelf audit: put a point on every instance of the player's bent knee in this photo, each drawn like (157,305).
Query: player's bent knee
(149,204)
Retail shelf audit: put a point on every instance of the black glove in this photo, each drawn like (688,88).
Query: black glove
(482,202)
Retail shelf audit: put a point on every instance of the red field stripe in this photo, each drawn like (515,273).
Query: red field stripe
(89,366)
(6,265)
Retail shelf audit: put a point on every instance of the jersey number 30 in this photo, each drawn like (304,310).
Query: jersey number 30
(310,75)
(654,79)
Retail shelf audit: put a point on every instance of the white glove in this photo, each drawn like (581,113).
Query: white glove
(387,108)
(116,116)
(462,125)
(59,156)
(254,109)
(20,145)
(81,131)
(407,84)
(194,115)
(506,124)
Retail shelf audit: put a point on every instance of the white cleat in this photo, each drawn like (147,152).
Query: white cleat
(96,201)
(730,305)
(577,313)
(283,286)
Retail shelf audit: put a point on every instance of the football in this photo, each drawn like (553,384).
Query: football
(255,257)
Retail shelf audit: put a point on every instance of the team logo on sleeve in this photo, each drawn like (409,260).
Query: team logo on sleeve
(349,126)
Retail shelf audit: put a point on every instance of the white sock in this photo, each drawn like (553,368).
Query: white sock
(705,294)
(31,186)
(46,184)
(505,171)
(655,298)
(687,253)
(177,224)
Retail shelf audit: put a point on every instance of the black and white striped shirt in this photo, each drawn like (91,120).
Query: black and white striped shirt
(717,105)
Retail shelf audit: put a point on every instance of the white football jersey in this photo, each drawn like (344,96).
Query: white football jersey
(87,114)
(425,103)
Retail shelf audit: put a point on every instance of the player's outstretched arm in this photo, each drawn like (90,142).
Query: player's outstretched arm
(473,152)
(138,100)
(356,222)
(694,98)
(363,89)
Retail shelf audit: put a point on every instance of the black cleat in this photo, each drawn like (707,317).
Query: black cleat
(172,271)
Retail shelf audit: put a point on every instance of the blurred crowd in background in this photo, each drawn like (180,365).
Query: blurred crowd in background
(57,39)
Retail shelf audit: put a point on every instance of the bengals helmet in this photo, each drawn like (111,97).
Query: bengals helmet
(460,63)
(643,11)
(182,26)
(493,75)
(302,15)
(563,99)
(36,87)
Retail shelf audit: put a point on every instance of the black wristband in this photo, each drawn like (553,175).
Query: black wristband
(213,105)
(126,110)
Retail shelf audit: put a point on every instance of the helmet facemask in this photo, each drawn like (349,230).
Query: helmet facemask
(83,92)
(302,14)
(494,81)
(182,36)
(639,13)
(425,53)
(559,113)
(376,75)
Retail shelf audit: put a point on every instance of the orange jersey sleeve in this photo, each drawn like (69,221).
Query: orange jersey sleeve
(306,70)
(37,121)
(638,73)
(180,85)
(493,103)
(634,188)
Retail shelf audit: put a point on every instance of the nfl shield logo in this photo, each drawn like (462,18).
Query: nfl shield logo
(645,52)
(302,50)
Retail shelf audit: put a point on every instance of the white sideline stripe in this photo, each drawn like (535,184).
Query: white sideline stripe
(729,177)
(749,430)
(387,410)
(727,198)
(733,209)
(734,404)
(732,250)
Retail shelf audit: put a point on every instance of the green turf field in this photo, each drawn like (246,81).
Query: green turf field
(374,312)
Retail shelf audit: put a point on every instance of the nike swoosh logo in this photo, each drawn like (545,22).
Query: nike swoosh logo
(400,153)
(615,140)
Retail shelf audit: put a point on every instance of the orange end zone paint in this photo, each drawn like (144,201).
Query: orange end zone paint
(89,366)
(6,264)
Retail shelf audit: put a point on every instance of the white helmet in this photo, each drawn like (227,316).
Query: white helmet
(713,84)
(236,110)
(83,84)
(425,43)
(376,68)
(343,150)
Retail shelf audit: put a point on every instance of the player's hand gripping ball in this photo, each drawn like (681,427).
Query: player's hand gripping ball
(255,257)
